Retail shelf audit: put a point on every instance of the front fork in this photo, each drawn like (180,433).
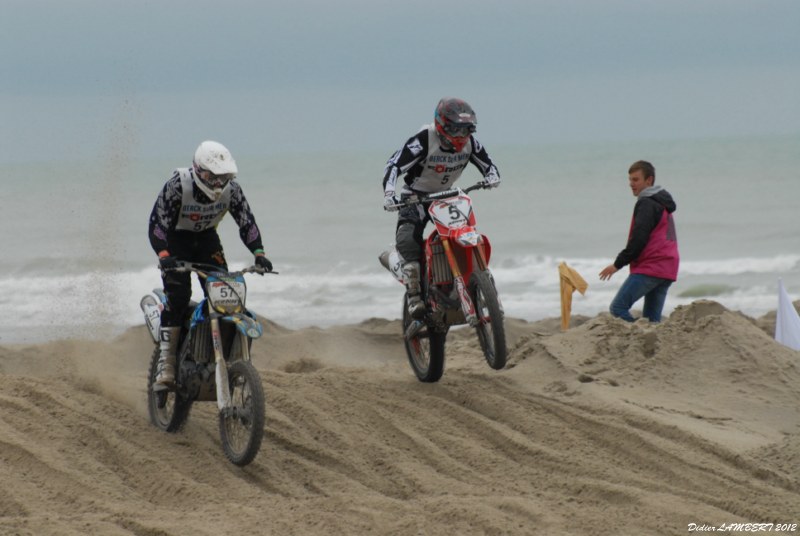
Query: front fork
(221,373)
(239,351)
(467,307)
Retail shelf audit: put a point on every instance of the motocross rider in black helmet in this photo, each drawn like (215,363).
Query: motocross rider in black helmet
(431,161)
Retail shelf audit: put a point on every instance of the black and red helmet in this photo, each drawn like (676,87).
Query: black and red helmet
(455,121)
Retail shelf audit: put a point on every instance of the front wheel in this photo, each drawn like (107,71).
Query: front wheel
(168,409)
(491,333)
(425,349)
(241,427)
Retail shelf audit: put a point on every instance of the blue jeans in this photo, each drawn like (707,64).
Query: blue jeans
(636,286)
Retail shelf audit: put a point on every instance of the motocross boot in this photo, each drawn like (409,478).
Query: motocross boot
(416,307)
(165,375)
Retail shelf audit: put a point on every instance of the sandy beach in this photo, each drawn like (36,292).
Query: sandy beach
(608,428)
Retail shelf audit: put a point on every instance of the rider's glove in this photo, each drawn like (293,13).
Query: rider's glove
(167,261)
(492,180)
(263,262)
(389,200)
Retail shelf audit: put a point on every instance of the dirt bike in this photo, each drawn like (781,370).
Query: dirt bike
(213,361)
(457,286)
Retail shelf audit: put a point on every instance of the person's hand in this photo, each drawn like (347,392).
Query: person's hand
(389,202)
(492,180)
(167,262)
(607,272)
(263,262)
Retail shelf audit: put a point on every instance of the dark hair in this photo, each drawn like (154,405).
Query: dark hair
(642,165)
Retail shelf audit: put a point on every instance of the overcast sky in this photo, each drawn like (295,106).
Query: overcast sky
(158,76)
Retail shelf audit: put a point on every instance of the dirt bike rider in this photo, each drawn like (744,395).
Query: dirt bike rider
(183,226)
(432,160)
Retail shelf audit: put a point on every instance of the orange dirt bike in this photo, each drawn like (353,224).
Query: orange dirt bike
(213,361)
(457,286)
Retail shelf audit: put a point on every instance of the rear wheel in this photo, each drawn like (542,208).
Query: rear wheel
(168,410)
(241,426)
(425,349)
(491,333)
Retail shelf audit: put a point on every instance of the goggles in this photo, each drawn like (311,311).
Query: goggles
(458,130)
(215,181)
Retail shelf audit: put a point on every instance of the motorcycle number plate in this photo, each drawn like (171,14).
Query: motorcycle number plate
(451,213)
(227,295)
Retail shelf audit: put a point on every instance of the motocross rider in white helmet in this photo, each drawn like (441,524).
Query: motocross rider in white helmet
(183,226)
(214,168)
(432,160)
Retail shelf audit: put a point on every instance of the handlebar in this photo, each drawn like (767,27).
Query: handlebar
(418,199)
(204,270)
(482,185)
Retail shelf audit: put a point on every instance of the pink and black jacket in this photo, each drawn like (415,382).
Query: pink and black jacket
(652,247)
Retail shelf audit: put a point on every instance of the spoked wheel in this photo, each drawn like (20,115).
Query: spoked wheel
(168,410)
(491,333)
(241,426)
(425,349)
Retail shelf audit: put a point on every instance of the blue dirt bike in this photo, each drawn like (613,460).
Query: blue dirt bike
(213,361)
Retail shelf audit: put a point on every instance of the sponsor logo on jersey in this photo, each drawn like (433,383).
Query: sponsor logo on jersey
(216,207)
(441,168)
(207,213)
(201,217)
(448,158)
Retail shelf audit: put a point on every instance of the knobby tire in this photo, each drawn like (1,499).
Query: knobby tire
(242,429)
(491,332)
(425,350)
(171,415)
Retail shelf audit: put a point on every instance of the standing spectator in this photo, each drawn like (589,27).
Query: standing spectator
(652,249)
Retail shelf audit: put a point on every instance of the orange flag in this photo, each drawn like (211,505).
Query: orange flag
(570,282)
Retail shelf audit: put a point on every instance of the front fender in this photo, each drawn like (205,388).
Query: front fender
(248,325)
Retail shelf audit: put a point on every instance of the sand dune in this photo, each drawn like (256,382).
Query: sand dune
(609,428)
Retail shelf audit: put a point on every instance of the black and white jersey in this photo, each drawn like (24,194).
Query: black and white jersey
(182,207)
(429,168)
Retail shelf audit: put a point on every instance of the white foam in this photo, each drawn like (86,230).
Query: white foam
(82,305)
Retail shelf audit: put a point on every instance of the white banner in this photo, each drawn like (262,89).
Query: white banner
(787,323)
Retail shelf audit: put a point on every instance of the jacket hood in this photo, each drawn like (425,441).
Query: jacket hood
(661,196)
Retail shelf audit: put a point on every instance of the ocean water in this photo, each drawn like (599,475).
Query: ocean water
(77,259)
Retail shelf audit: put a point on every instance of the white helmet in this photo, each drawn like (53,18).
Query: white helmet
(214,168)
